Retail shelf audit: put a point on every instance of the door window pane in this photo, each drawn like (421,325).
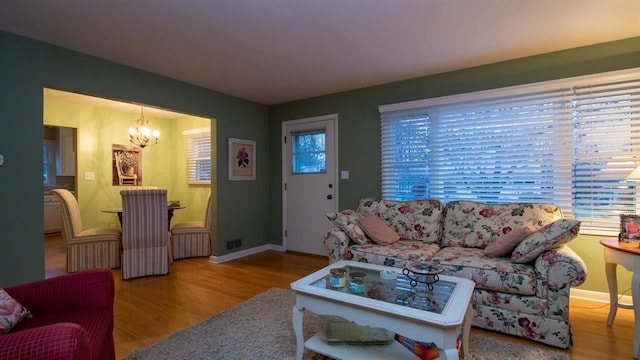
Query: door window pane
(308,152)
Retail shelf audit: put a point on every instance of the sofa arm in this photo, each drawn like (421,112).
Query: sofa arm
(557,270)
(336,241)
(93,289)
(64,341)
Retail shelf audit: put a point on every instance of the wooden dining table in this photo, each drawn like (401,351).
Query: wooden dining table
(170,210)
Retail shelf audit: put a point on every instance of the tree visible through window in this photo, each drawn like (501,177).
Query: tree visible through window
(309,152)
(48,162)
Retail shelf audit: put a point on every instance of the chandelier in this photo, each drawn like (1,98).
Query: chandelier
(141,134)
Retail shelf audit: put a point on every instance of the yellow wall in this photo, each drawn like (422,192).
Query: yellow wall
(589,249)
(162,164)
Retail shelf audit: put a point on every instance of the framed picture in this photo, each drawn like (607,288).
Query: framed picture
(127,165)
(242,159)
(630,228)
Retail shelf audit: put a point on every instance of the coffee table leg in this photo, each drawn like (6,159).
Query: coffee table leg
(450,354)
(297,329)
(466,330)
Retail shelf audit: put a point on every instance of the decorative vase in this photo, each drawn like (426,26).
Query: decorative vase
(129,171)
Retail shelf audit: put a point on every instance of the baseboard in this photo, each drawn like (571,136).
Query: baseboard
(596,296)
(242,253)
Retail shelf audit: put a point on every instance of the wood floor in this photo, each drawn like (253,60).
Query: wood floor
(151,308)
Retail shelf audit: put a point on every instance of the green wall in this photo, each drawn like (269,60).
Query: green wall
(358,119)
(27,66)
(248,210)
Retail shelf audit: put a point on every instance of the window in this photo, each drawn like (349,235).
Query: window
(198,156)
(308,152)
(570,142)
(49,162)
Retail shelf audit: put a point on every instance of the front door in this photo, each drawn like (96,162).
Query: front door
(310,182)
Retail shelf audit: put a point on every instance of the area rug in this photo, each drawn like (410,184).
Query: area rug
(260,328)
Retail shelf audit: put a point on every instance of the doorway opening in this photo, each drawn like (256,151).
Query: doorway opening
(98,124)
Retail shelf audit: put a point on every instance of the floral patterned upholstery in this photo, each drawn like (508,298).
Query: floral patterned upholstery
(529,300)
(474,224)
(399,254)
(497,274)
(415,220)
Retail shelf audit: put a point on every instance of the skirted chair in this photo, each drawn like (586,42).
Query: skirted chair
(86,248)
(71,318)
(192,238)
(145,239)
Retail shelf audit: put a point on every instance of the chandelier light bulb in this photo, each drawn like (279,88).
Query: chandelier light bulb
(141,134)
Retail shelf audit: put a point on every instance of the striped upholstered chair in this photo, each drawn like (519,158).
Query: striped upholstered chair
(86,248)
(192,238)
(145,239)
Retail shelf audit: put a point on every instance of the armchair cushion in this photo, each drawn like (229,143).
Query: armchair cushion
(547,237)
(72,318)
(11,312)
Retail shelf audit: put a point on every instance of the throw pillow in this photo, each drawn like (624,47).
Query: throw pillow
(378,230)
(11,312)
(547,237)
(347,220)
(507,242)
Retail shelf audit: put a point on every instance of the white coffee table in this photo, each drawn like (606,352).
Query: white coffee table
(441,323)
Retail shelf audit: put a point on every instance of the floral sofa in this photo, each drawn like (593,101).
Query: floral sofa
(525,292)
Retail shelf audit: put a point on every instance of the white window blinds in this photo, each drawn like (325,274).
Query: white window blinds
(607,149)
(198,162)
(404,158)
(569,142)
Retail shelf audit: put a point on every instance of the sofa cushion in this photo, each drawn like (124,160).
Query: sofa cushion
(474,224)
(377,230)
(416,220)
(547,237)
(11,312)
(347,220)
(507,242)
(401,253)
(496,274)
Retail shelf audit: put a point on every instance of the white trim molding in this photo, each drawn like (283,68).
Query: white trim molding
(240,254)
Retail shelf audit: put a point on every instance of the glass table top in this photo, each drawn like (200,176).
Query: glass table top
(399,289)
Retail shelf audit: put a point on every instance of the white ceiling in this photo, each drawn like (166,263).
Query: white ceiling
(274,51)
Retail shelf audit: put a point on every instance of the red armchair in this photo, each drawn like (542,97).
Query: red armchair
(72,318)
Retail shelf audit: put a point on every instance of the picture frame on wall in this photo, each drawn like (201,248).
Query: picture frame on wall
(242,159)
(126,165)
(629,228)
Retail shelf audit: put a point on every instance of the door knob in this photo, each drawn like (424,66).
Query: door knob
(329,196)
(330,186)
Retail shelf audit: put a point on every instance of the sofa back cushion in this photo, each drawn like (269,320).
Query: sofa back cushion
(414,220)
(475,224)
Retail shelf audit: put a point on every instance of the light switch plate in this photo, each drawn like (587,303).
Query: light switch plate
(344,174)
(89,175)
(1,160)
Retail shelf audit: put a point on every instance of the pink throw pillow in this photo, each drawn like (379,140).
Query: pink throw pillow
(378,231)
(507,242)
(11,312)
